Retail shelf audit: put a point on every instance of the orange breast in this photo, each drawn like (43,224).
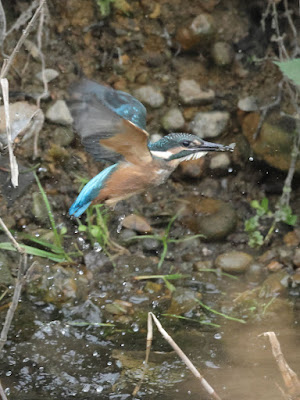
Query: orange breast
(129,179)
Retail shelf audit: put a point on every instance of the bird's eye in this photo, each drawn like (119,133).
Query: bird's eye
(186,143)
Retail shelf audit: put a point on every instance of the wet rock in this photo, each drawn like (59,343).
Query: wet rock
(153,287)
(192,169)
(199,33)
(150,96)
(255,273)
(291,239)
(209,124)
(296,278)
(220,162)
(274,266)
(234,261)
(190,93)
(87,313)
(56,284)
(151,245)
(248,104)
(296,258)
(39,208)
(97,262)
(173,120)
(183,301)
(26,119)
(49,74)
(274,142)
(8,191)
(136,223)
(222,54)
(119,307)
(210,217)
(155,137)
(63,136)
(199,266)
(126,237)
(6,278)
(275,284)
(59,113)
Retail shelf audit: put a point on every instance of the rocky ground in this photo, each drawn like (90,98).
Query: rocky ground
(204,68)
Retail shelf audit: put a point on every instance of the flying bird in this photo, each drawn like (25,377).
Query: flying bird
(111,124)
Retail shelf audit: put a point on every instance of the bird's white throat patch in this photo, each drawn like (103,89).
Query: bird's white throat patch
(162,154)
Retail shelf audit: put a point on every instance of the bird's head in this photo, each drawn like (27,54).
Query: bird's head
(183,147)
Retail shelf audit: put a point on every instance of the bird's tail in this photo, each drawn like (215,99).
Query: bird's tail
(90,192)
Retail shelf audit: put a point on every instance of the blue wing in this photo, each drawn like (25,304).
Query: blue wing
(90,191)
(98,111)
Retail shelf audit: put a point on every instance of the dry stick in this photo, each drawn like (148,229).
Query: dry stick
(2,25)
(17,290)
(25,33)
(2,393)
(179,352)
(14,169)
(290,378)
(45,83)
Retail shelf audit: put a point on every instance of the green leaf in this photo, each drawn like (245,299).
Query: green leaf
(82,228)
(291,69)
(34,251)
(169,285)
(251,224)
(95,231)
(265,204)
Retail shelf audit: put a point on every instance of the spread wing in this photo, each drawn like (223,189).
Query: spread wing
(110,122)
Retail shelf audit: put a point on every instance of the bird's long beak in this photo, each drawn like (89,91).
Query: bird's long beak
(209,146)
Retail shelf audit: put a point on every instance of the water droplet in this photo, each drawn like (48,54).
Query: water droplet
(97,247)
(135,327)
(218,336)
(99,389)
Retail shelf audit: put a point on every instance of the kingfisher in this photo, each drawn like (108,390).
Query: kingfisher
(111,124)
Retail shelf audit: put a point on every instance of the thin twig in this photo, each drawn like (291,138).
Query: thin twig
(18,287)
(10,236)
(18,46)
(2,393)
(14,169)
(2,25)
(179,352)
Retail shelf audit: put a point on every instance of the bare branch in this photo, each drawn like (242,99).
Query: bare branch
(25,33)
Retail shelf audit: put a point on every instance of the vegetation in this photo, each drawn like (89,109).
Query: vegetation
(254,225)
(166,240)
(55,250)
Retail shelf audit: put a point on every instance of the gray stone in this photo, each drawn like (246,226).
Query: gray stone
(199,33)
(151,245)
(212,218)
(183,301)
(234,261)
(155,137)
(220,161)
(173,120)
(209,124)
(59,113)
(63,136)
(190,93)
(255,273)
(97,262)
(39,209)
(222,53)
(49,74)
(150,96)
(248,104)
